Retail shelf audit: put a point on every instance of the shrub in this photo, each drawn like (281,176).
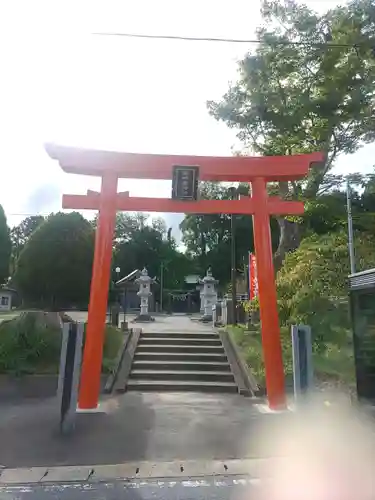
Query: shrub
(112,345)
(31,343)
(312,285)
(250,343)
(334,363)
(312,289)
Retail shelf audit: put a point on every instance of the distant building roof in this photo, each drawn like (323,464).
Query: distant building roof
(7,289)
(130,277)
(192,278)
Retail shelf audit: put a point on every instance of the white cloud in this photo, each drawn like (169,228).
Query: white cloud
(43,199)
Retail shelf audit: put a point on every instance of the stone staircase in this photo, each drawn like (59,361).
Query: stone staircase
(181,362)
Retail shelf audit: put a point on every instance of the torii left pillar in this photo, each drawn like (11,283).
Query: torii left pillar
(93,352)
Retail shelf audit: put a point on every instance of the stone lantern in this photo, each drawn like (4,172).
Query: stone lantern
(209,295)
(144,282)
(199,288)
(201,297)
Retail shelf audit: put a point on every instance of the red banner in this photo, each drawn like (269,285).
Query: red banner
(253,278)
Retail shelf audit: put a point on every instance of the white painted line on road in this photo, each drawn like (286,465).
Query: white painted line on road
(58,488)
(191,470)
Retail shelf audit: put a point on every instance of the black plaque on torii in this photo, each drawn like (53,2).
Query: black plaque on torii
(185,183)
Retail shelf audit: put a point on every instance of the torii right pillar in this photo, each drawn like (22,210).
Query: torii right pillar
(271,342)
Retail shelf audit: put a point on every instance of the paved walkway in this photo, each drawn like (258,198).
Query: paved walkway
(175,324)
(135,426)
(162,323)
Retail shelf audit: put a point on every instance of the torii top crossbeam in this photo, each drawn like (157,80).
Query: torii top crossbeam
(155,166)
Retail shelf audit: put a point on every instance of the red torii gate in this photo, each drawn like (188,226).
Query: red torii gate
(111,166)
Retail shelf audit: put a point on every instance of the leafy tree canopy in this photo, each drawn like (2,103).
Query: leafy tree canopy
(139,244)
(5,247)
(20,235)
(310,97)
(295,94)
(54,268)
(313,282)
(208,237)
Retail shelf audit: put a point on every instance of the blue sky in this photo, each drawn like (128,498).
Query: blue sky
(60,83)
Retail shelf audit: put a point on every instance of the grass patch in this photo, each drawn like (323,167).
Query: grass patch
(4,315)
(112,344)
(31,344)
(250,346)
(333,362)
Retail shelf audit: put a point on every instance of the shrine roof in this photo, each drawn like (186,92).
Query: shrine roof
(159,166)
(126,279)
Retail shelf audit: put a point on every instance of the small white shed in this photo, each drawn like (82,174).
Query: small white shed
(5,299)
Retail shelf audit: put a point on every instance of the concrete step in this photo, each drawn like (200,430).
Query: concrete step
(215,349)
(180,385)
(183,375)
(185,364)
(178,341)
(171,335)
(178,356)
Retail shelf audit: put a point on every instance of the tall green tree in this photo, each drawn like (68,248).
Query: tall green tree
(327,213)
(127,225)
(313,283)
(366,216)
(20,235)
(142,243)
(54,268)
(296,94)
(5,247)
(208,237)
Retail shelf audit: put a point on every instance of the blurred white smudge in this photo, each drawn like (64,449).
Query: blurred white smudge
(328,454)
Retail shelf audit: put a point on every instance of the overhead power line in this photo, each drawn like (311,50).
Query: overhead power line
(37,214)
(224,40)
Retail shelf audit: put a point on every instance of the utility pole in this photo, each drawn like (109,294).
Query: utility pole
(350,228)
(233,260)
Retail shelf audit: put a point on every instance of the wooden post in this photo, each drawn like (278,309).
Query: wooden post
(271,341)
(93,352)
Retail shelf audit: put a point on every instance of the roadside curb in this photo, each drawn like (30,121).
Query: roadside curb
(137,470)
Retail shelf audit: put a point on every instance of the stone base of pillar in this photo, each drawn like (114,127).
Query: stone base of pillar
(206,318)
(143,318)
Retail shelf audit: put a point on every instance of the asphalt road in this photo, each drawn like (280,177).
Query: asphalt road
(228,488)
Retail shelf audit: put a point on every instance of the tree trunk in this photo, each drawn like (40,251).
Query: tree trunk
(289,237)
(289,240)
